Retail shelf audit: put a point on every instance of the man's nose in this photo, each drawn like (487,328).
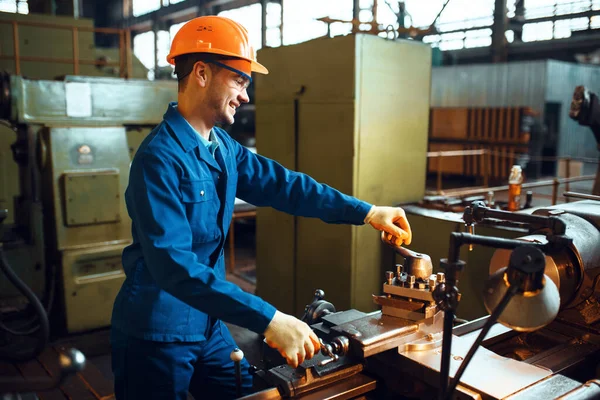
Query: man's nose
(243,96)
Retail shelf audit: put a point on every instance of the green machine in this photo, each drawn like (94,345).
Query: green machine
(64,168)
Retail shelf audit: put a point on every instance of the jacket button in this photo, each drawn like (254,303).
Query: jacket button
(202,193)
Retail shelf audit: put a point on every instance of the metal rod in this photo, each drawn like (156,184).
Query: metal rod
(512,290)
(529,185)
(481,212)
(129,62)
(58,60)
(65,27)
(555,184)
(281,24)
(16,47)
(122,53)
(439,175)
(440,13)
(485,169)
(446,351)
(263,23)
(581,196)
(75,51)
(460,238)
(568,174)
(455,153)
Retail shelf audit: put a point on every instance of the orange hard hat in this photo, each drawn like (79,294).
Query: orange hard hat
(215,35)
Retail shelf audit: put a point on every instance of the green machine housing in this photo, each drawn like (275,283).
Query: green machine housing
(64,182)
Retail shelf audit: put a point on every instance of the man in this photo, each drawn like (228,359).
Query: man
(585,109)
(183,183)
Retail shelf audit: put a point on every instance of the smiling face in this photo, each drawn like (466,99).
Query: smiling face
(226,91)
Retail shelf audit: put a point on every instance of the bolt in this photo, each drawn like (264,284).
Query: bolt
(389,277)
(441,278)
(411,281)
(432,282)
(399,270)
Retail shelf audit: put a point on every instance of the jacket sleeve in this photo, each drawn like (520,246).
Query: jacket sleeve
(264,182)
(166,238)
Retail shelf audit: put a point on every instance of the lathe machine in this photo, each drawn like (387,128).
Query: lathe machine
(398,352)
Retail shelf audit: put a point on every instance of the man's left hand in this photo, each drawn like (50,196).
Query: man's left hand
(391,220)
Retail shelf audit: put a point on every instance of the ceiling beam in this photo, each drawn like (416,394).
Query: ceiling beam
(586,14)
(181,12)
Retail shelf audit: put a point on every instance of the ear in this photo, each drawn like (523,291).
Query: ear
(201,73)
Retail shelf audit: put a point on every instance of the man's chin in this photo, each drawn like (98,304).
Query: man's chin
(226,121)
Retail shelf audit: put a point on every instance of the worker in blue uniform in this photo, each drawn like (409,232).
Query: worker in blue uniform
(167,318)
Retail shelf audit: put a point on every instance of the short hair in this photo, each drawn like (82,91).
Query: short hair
(184,65)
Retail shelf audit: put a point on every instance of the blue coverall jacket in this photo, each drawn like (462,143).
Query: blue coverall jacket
(180,199)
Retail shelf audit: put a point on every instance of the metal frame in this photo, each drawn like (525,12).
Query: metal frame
(485,160)
(183,11)
(125,57)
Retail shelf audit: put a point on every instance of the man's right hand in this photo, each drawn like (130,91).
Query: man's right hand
(293,338)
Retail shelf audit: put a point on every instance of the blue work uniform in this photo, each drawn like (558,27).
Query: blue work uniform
(166,320)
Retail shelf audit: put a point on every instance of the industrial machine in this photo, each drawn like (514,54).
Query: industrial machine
(64,167)
(543,289)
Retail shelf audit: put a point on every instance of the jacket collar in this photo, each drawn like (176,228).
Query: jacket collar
(186,135)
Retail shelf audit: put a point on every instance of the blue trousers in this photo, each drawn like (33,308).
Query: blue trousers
(147,370)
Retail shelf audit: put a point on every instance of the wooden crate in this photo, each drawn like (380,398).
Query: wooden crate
(495,129)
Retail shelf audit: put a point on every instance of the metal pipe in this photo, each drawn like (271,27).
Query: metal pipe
(58,60)
(439,175)
(512,290)
(65,27)
(16,47)
(568,173)
(281,25)
(479,212)
(581,196)
(529,185)
(129,62)
(75,51)
(454,153)
(483,160)
(121,53)
(263,23)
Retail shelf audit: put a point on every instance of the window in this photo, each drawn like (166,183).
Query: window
(562,28)
(14,6)
(250,17)
(141,7)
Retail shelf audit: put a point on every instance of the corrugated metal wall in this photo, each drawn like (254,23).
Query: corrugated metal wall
(489,85)
(574,140)
(518,84)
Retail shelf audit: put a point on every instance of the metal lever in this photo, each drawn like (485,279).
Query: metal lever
(417,264)
(339,347)
(327,350)
(237,356)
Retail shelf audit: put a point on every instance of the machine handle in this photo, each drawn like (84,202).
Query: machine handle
(71,362)
(391,241)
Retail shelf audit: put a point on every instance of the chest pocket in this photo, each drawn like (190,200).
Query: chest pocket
(202,206)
